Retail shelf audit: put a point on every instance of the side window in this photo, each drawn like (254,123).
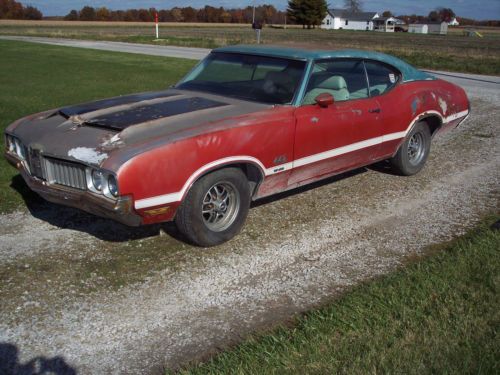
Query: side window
(343,79)
(381,77)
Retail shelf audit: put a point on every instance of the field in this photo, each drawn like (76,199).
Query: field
(439,315)
(75,77)
(453,52)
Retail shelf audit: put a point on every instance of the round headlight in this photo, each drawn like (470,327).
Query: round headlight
(97,179)
(113,186)
(19,148)
(10,144)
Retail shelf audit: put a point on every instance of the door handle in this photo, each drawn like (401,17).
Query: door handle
(374,110)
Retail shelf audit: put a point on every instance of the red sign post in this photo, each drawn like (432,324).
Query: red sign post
(156,23)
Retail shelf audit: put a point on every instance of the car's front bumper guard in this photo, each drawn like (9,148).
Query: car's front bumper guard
(120,210)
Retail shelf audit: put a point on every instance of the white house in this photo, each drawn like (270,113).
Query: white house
(343,19)
(454,22)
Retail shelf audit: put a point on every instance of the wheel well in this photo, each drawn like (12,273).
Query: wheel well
(433,122)
(253,173)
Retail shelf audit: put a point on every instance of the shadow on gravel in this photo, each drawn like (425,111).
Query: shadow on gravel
(10,365)
(72,218)
(109,230)
(302,189)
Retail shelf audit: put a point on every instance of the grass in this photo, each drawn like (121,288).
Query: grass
(453,52)
(438,315)
(39,77)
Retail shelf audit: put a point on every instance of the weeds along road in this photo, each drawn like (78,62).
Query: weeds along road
(109,299)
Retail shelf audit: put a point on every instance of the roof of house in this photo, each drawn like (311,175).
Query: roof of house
(409,72)
(346,14)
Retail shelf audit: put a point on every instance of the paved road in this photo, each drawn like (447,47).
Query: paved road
(143,49)
(103,298)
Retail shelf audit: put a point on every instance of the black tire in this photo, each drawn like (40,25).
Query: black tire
(414,151)
(198,216)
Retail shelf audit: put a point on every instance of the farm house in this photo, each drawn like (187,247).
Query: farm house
(337,19)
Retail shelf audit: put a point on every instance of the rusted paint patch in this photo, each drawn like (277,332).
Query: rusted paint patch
(443,105)
(112,143)
(87,155)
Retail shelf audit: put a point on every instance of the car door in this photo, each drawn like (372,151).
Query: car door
(343,135)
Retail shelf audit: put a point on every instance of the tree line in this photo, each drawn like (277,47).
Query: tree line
(264,13)
(10,9)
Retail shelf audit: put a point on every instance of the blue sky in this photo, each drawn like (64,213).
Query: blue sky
(479,9)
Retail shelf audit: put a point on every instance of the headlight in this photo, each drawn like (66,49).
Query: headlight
(113,185)
(10,143)
(19,148)
(97,179)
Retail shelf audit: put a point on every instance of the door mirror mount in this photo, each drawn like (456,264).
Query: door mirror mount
(324,100)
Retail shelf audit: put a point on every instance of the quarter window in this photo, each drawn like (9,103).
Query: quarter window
(381,77)
(343,79)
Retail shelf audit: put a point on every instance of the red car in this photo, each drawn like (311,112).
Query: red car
(245,123)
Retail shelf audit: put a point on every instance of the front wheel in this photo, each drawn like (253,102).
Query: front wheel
(215,208)
(414,151)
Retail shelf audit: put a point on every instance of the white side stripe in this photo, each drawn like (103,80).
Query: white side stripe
(177,196)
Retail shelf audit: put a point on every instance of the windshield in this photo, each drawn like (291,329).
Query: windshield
(249,77)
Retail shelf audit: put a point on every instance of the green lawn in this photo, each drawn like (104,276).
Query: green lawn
(440,315)
(37,77)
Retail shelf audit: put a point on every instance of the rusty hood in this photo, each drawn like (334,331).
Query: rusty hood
(92,132)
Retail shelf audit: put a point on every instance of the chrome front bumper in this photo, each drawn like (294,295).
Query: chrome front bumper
(120,209)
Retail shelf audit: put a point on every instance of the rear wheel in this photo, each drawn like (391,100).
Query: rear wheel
(215,208)
(414,151)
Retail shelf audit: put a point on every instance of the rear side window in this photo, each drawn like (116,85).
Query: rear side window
(381,77)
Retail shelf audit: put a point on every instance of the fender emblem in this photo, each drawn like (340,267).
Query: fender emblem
(280,159)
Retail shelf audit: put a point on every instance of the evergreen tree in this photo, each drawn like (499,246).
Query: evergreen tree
(307,12)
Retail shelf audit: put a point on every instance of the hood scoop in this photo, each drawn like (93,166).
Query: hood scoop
(123,119)
(112,102)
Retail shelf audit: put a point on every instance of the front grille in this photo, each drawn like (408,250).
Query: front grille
(65,173)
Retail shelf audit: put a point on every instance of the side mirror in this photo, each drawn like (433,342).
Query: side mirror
(324,99)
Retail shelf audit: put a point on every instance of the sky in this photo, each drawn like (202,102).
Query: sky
(478,9)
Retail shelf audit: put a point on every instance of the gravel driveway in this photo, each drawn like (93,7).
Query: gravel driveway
(83,294)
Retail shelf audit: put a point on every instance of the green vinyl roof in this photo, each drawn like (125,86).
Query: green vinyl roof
(408,72)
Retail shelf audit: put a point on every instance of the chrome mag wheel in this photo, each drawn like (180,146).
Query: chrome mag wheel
(220,206)
(416,149)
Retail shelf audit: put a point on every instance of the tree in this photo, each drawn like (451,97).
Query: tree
(11,9)
(177,15)
(189,14)
(87,14)
(387,14)
(354,6)
(72,15)
(307,12)
(32,13)
(102,14)
(446,14)
(434,16)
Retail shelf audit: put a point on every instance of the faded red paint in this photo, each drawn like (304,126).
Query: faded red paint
(287,134)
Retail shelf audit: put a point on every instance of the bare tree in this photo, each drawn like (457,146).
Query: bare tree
(354,6)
